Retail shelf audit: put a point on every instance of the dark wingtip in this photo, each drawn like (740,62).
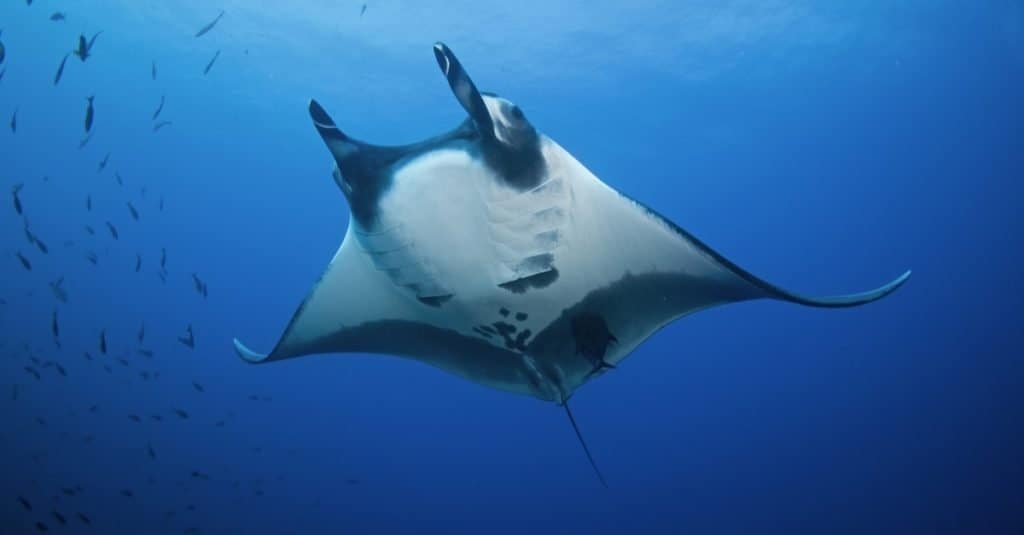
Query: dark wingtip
(319,114)
(843,301)
(442,54)
(324,124)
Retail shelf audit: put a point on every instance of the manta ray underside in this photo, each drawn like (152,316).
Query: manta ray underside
(491,252)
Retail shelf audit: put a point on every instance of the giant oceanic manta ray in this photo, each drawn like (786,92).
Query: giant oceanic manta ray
(492,253)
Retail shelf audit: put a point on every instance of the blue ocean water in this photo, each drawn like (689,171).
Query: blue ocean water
(824,147)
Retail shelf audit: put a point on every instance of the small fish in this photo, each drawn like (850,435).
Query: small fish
(142,333)
(132,210)
(161,203)
(210,64)
(41,527)
(3,52)
(189,340)
(60,369)
(86,355)
(181,414)
(57,287)
(92,258)
(202,31)
(122,361)
(163,258)
(25,503)
(138,263)
(362,11)
(103,163)
(90,112)
(158,126)
(67,491)
(90,230)
(134,418)
(60,69)
(33,239)
(157,417)
(117,176)
(198,387)
(113,229)
(54,326)
(60,518)
(14,122)
(17,200)
(24,261)
(85,520)
(151,451)
(84,49)
(42,246)
(94,408)
(146,353)
(199,285)
(220,423)
(88,203)
(127,493)
(28,233)
(84,141)
(33,372)
(159,108)
(103,342)
(57,16)
(144,374)
(199,475)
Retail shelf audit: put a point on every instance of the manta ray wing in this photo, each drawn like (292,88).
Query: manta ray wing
(356,308)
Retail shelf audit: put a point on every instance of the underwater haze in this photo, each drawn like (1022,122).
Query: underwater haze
(824,146)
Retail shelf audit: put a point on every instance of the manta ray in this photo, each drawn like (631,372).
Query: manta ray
(489,251)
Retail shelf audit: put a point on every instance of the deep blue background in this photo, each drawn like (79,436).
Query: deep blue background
(826,149)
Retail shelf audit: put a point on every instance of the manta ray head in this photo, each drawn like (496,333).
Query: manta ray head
(497,133)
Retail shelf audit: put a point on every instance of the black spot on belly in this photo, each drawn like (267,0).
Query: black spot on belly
(592,336)
(540,280)
(521,316)
(504,328)
(507,330)
(435,301)
(504,312)
(521,339)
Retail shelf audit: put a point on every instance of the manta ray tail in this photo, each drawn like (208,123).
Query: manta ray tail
(584,444)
